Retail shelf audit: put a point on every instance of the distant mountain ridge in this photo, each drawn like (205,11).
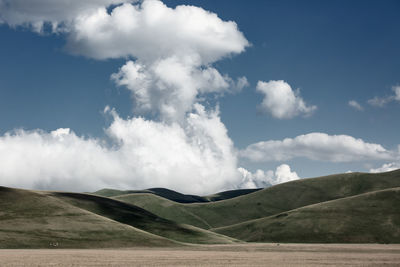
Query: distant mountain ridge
(176,196)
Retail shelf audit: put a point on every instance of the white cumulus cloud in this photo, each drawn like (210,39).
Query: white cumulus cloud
(260,178)
(169,52)
(386,167)
(170,87)
(317,146)
(281,101)
(152,31)
(197,157)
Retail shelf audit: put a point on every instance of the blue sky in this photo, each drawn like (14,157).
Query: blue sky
(333,51)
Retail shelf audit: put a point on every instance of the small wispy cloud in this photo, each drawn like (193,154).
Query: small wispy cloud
(382,101)
(354,104)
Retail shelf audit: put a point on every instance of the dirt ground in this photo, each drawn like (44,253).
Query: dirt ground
(212,255)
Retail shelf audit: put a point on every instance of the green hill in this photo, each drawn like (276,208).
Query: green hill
(367,218)
(35,219)
(31,219)
(354,207)
(266,202)
(165,208)
(141,219)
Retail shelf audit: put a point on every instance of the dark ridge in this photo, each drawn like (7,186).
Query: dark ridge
(231,194)
(176,196)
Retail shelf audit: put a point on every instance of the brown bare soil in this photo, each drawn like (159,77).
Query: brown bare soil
(212,255)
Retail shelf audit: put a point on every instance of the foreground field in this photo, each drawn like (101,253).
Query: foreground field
(213,255)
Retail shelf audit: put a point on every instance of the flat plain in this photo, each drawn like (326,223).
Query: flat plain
(255,254)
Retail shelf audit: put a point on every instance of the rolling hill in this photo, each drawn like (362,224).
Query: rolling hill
(30,219)
(142,219)
(38,219)
(266,202)
(366,218)
(345,208)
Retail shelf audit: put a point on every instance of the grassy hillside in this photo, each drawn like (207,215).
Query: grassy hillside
(266,202)
(366,218)
(165,208)
(35,219)
(31,219)
(141,219)
(354,207)
(176,196)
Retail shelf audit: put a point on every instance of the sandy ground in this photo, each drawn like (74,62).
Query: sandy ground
(212,255)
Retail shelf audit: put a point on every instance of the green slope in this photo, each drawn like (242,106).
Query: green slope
(141,219)
(266,202)
(165,208)
(366,218)
(34,219)
(31,219)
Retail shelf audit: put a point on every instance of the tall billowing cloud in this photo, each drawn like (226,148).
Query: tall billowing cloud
(170,88)
(173,49)
(170,52)
(317,146)
(281,101)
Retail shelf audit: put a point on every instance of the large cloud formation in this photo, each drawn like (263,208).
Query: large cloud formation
(152,31)
(173,48)
(317,146)
(170,53)
(198,157)
(169,69)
